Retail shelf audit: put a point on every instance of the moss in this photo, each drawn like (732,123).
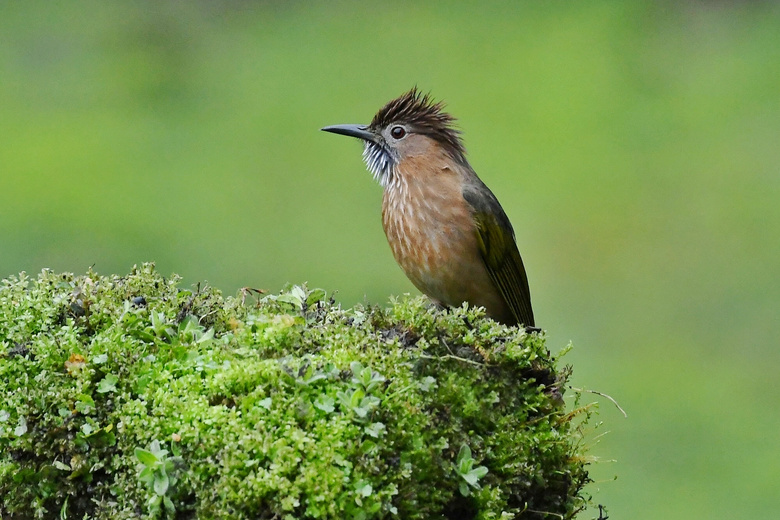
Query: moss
(128,396)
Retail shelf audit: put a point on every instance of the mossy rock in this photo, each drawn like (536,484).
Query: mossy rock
(130,396)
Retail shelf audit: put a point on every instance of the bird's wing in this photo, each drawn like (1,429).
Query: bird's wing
(499,251)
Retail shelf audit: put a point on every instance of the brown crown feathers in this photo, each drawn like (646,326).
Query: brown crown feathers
(424,116)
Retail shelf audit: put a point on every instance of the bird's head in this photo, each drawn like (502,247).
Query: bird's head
(410,125)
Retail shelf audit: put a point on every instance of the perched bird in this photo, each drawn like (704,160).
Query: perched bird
(445,227)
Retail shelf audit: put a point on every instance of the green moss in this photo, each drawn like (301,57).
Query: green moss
(127,396)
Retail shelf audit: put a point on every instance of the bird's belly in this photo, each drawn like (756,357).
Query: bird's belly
(438,251)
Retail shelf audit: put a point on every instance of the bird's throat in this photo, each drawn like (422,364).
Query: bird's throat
(380,161)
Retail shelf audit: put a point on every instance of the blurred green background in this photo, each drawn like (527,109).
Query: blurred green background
(634,145)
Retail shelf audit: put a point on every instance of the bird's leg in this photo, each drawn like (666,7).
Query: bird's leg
(437,304)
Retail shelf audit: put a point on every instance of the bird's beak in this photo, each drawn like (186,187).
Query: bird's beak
(359,131)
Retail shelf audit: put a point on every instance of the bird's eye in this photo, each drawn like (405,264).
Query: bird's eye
(397,132)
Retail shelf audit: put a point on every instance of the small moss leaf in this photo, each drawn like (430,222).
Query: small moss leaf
(473,476)
(169,505)
(325,403)
(61,465)
(466,470)
(145,457)
(107,384)
(315,296)
(161,481)
(21,428)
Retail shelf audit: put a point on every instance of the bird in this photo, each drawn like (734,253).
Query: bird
(446,229)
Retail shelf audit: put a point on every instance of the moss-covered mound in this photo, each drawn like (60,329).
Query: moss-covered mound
(130,396)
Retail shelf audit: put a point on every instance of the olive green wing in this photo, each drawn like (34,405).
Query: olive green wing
(496,241)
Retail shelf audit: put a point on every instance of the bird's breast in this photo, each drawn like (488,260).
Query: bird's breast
(423,228)
(432,235)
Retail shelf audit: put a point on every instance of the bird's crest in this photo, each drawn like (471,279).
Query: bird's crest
(425,116)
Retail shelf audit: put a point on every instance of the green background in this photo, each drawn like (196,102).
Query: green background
(634,145)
